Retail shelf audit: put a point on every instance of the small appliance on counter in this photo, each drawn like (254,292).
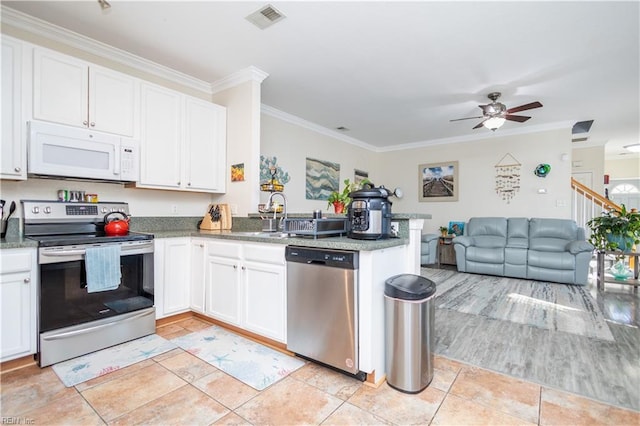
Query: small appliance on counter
(217,218)
(316,227)
(369,215)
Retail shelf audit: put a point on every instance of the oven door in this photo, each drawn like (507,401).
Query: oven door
(72,321)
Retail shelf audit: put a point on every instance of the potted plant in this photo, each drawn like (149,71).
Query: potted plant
(444,231)
(340,199)
(615,230)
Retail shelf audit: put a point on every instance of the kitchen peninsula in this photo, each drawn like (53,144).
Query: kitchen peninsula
(227,262)
(238,277)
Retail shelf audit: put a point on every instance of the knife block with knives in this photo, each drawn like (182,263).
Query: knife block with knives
(217,218)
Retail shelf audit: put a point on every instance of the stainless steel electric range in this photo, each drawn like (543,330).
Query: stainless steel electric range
(74,319)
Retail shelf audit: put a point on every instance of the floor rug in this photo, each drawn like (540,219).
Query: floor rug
(254,364)
(552,306)
(95,364)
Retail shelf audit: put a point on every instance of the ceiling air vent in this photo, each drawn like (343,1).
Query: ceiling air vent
(582,127)
(265,17)
(579,140)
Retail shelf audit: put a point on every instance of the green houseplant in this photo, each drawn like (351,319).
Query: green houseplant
(615,230)
(444,231)
(340,199)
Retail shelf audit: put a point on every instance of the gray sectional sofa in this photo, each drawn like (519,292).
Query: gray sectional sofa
(537,249)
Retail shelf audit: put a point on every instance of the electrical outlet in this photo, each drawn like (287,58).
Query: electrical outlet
(395,227)
(234,209)
(174,208)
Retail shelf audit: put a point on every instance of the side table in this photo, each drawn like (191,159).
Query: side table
(603,278)
(446,253)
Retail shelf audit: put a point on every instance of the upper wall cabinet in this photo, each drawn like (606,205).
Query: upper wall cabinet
(13,156)
(205,136)
(183,142)
(69,91)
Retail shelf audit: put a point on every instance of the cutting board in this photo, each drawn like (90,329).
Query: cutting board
(217,218)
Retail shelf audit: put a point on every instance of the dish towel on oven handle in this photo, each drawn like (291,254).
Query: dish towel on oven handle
(103,268)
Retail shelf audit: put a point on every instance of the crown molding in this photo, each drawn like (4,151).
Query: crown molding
(248,74)
(468,138)
(53,32)
(290,118)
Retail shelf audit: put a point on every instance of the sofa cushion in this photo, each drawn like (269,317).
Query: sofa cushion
(485,255)
(551,235)
(494,226)
(565,229)
(551,260)
(518,232)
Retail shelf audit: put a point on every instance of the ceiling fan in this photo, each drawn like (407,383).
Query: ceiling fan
(495,113)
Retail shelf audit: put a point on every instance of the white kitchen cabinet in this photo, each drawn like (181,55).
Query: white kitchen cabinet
(205,145)
(197,275)
(70,91)
(222,282)
(183,142)
(246,287)
(160,137)
(18,282)
(264,300)
(172,280)
(13,156)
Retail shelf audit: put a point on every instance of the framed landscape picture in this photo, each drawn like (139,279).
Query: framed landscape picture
(438,181)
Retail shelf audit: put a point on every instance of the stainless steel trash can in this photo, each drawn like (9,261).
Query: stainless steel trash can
(409,320)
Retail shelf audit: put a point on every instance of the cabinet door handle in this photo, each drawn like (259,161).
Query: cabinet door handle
(243,268)
(235,266)
(93,124)
(27,280)
(189,184)
(85,122)
(17,169)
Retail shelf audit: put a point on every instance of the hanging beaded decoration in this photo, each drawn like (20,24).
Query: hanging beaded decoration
(507,177)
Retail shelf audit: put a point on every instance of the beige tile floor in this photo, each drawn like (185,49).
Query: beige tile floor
(177,388)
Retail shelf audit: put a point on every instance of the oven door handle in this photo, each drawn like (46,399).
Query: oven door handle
(76,252)
(98,327)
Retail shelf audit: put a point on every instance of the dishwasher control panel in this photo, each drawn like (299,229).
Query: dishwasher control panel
(336,258)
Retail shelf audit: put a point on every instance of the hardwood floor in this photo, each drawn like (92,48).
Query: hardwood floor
(605,370)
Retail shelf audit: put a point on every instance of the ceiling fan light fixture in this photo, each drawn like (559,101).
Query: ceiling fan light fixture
(633,147)
(104,4)
(494,123)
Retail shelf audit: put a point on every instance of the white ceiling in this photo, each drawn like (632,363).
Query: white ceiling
(395,73)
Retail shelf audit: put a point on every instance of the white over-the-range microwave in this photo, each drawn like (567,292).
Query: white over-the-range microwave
(69,152)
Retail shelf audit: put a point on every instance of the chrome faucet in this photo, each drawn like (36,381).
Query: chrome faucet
(284,208)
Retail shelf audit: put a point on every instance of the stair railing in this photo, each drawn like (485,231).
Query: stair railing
(586,204)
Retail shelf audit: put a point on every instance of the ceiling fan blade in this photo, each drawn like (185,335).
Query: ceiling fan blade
(467,118)
(524,107)
(480,124)
(518,118)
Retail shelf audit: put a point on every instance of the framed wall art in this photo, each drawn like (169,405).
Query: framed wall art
(438,181)
(323,177)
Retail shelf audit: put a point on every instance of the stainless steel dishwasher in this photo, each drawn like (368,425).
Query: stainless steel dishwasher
(322,306)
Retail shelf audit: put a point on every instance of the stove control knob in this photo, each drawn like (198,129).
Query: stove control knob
(35,210)
(104,210)
(47,210)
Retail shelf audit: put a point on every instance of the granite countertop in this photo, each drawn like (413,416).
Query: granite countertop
(341,243)
(243,230)
(12,242)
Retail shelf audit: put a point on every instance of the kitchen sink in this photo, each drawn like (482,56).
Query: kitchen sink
(263,234)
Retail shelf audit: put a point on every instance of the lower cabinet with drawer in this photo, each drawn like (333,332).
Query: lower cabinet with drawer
(245,286)
(18,284)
